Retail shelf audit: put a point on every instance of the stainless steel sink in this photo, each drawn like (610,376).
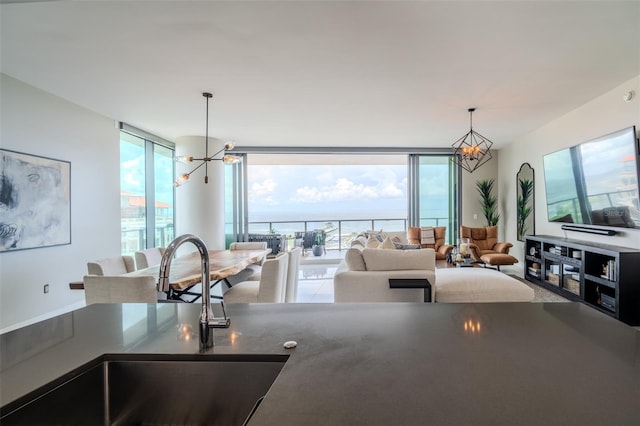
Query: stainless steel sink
(127,389)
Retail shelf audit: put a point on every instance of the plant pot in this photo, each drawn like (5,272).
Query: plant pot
(317,250)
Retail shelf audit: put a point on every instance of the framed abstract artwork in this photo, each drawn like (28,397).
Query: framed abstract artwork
(35,201)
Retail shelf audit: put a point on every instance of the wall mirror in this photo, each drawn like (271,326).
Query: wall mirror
(525,201)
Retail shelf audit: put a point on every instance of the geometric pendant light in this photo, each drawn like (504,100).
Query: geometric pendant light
(472,150)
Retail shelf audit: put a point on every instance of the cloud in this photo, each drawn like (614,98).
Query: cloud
(344,189)
(263,192)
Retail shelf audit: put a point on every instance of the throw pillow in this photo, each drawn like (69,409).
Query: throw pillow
(372,242)
(401,246)
(387,244)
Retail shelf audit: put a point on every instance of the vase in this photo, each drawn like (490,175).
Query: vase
(317,250)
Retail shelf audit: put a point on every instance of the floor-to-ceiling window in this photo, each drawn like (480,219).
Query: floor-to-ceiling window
(434,197)
(146,190)
(343,194)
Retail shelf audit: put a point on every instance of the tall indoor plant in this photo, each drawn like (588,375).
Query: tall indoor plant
(488,201)
(523,207)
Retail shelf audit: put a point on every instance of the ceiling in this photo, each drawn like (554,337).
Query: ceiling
(305,73)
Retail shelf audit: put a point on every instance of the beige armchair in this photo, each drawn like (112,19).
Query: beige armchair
(111,266)
(120,289)
(149,257)
(439,232)
(270,288)
(484,246)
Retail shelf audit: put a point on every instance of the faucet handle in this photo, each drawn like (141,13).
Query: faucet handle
(223,322)
(219,322)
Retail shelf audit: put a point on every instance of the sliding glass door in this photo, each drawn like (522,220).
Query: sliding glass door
(344,194)
(435,198)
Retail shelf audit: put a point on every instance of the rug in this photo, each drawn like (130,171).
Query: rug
(541,294)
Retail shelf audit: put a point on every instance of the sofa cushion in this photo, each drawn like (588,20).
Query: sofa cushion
(396,260)
(477,285)
(413,234)
(355,261)
(485,238)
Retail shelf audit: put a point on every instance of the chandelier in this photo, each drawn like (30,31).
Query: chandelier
(226,158)
(472,150)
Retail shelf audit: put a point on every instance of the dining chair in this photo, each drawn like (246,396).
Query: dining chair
(120,289)
(111,266)
(293,268)
(270,288)
(253,271)
(149,257)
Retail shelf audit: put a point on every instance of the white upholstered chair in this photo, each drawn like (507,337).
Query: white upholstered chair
(149,257)
(111,266)
(120,289)
(253,271)
(293,267)
(270,288)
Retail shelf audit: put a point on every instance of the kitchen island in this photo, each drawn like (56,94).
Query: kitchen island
(374,364)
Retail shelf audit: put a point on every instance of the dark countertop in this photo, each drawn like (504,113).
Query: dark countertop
(367,364)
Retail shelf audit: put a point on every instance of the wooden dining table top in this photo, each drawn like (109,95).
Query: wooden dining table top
(186,271)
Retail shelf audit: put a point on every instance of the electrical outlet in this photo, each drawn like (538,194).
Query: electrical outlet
(46,288)
(475,216)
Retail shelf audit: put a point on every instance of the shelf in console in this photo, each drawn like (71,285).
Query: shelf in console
(600,280)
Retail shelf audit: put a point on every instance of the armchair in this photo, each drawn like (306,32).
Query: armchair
(442,250)
(485,248)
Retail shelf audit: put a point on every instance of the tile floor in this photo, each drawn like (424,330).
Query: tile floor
(316,280)
(315,283)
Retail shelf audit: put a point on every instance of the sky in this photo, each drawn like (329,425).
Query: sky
(318,192)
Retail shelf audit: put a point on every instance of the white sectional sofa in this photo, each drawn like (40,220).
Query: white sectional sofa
(363,276)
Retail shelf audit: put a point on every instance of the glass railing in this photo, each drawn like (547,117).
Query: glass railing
(134,239)
(339,232)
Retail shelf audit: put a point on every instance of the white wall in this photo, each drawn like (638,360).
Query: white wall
(471,204)
(36,122)
(605,114)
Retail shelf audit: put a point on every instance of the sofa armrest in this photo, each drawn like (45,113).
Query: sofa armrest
(502,247)
(373,286)
(445,249)
(474,251)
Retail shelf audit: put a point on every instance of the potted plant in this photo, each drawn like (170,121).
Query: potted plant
(488,201)
(318,244)
(524,209)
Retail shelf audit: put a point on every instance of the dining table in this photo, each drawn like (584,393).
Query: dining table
(185,271)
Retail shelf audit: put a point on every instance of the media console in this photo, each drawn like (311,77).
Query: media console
(603,276)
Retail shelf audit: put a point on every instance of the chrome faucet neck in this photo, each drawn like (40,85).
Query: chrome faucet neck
(207,319)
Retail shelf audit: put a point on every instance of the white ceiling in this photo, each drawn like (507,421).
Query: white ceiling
(304,73)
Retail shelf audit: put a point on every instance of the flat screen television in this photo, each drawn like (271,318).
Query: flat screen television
(595,182)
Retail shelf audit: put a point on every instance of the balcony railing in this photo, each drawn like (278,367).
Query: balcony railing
(340,232)
(134,239)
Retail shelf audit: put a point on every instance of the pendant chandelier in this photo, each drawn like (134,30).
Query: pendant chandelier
(226,158)
(472,150)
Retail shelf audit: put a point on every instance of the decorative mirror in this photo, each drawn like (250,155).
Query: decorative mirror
(525,201)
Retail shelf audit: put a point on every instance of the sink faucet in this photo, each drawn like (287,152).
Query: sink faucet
(207,321)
